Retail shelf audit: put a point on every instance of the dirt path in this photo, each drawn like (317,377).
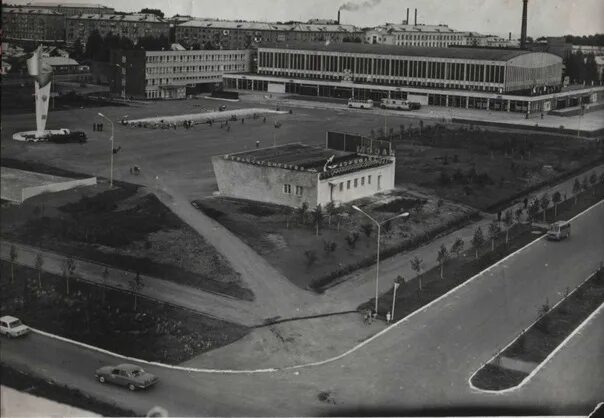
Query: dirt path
(214,305)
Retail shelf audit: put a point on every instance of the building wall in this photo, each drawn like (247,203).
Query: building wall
(263,183)
(520,73)
(432,37)
(244,38)
(537,69)
(32,24)
(129,26)
(369,181)
(166,74)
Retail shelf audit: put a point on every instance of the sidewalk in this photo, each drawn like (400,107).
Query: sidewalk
(214,305)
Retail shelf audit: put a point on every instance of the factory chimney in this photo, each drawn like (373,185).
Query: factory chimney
(338,17)
(407,21)
(510,36)
(523,29)
(415,24)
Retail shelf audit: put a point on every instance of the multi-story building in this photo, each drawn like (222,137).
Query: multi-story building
(70,9)
(33,25)
(170,74)
(132,26)
(478,78)
(431,36)
(243,35)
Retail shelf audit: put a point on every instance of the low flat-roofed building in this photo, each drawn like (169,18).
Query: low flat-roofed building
(295,173)
(402,34)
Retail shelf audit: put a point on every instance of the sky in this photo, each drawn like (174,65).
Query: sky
(545,17)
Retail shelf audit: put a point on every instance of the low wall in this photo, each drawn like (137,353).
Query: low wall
(585,134)
(28,192)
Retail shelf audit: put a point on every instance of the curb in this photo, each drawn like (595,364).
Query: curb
(547,358)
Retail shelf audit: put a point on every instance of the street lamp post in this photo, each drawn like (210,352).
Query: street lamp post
(377,265)
(396,285)
(122,80)
(110,139)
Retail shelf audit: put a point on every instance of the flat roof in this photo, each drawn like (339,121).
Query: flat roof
(492,54)
(268,26)
(134,17)
(302,157)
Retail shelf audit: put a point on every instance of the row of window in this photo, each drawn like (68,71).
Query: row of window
(195,69)
(287,189)
(191,80)
(356,182)
(393,67)
(201,57)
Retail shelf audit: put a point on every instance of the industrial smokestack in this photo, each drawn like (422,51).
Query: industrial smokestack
(510,36)
(524,19)
(338,17)
(407,21)
(415,24)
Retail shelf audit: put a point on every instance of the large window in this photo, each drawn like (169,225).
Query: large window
(287,188)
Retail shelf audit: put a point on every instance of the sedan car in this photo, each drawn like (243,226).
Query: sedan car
(129,375)
(12,327)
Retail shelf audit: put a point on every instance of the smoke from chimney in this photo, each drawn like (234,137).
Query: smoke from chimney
(353,7)
(407,21)
(524,19)
(415,24)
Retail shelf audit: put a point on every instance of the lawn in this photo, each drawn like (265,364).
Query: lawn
(288,239)
(485,169)
(537,342)
(110,319)
(126,227)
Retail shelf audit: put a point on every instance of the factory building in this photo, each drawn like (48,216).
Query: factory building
(171,74)
(429,36)
(295,173)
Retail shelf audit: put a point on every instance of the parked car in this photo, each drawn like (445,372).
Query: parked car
(129,375)
(13,327)
(222,108)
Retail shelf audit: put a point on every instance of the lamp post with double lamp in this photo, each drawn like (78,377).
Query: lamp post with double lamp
(110,139)
(377,264)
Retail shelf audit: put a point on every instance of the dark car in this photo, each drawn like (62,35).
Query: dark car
(222,108)
(128,375)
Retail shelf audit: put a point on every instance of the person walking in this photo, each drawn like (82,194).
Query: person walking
(257,144)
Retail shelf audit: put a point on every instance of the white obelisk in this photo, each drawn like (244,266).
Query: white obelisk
(41,71)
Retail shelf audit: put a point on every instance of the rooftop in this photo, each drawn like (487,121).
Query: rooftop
(59,61)
(302,157)
(25,10)
(66,5)
(296,27)
(493,54)
(136,17)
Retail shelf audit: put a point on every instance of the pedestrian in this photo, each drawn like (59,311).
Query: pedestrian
(264,119)
(257,144)
(242,121)
(388,317)
(101,126)
(94,127)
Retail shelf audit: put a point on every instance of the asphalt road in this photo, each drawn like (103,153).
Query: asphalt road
(420,365)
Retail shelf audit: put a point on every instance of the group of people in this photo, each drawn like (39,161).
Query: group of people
(97,127)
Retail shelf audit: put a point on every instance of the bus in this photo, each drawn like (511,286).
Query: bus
(558,231)
(399,104)
(360,104)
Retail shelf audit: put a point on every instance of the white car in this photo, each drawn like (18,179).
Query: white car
(12,327)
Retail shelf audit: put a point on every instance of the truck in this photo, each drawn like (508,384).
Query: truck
(399,104)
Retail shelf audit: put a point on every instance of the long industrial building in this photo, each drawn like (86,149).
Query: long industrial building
(480,78)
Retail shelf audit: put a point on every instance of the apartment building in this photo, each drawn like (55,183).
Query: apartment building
(132,26)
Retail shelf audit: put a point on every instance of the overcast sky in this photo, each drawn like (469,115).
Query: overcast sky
(546,17)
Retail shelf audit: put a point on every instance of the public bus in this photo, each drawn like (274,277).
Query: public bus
(399,104)
(360,103)
(558,230)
